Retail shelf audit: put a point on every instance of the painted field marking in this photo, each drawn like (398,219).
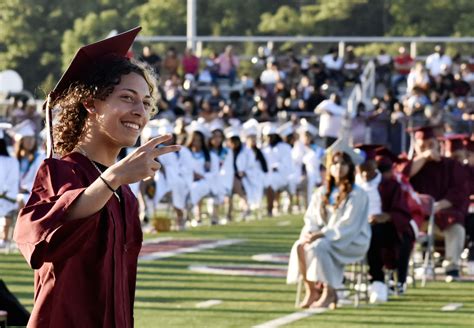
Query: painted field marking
(241,270)
(208,304)
(193,249)
(452,307)
(281,258)
(283,223)
(290,318)
(156,240)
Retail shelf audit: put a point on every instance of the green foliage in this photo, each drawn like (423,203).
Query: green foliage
(39,37)
(432,18)
(91,28)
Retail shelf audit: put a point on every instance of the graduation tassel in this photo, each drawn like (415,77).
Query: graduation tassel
(49,128)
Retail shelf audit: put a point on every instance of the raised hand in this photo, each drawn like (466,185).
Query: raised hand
(140,164)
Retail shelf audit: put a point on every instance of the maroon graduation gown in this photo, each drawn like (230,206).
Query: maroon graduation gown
(445,179)
(395,204)
(85,269)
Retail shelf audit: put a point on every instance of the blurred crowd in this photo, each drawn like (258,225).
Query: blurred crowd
(251,136)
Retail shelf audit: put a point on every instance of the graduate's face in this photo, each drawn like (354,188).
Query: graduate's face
(428,144)
(338,169)
(217,138)
(368,170)
(121,117)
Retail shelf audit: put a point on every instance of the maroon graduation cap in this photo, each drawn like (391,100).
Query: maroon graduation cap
(454,142)
(79,68)
(385,157)
(469,143)
(424,132)
(369,151)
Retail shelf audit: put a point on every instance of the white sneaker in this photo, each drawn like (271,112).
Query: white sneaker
(378,292)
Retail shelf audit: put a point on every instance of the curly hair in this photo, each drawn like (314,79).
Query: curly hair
(345,185)
(98,83)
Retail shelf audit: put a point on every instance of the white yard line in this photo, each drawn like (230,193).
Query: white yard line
(193,249)
(208,304)
(452,307)
(238,270)
(156,240)
(290,318)
(283,223)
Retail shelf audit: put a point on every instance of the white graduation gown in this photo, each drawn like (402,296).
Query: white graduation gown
(28,178)
(9,184)
(253,181)
(224,181)
(201,188)
(176,173)
(346,239)
(280,165)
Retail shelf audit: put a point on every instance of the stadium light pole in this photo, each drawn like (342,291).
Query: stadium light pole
(191,25)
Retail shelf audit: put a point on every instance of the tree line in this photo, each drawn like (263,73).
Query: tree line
(38,38)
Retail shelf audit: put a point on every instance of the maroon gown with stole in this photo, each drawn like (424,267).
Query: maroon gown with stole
(395,204)
(85,269)
(445,179)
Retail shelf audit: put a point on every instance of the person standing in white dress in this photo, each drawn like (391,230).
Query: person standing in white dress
(10,182)
(336,230)
(309,155)
(278,157)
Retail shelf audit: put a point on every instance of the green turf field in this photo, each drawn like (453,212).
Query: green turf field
(167,291)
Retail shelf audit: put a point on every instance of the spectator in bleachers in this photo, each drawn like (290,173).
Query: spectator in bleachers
(336,230)
(170,63)
(378,120)
(402,64)
(151,58)
(271,75)
(318,75)
(334,65)
(228,64)
(216,100)
(437,60)
(383,68)
(352,66)
(418,77)
(205,111)
(331,114)
(190,63)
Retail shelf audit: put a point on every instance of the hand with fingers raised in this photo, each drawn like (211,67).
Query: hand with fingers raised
(141,164)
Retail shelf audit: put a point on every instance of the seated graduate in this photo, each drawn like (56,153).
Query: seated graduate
(444,179)
(469,142)
(392,234)
(80,228)
(336,230)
